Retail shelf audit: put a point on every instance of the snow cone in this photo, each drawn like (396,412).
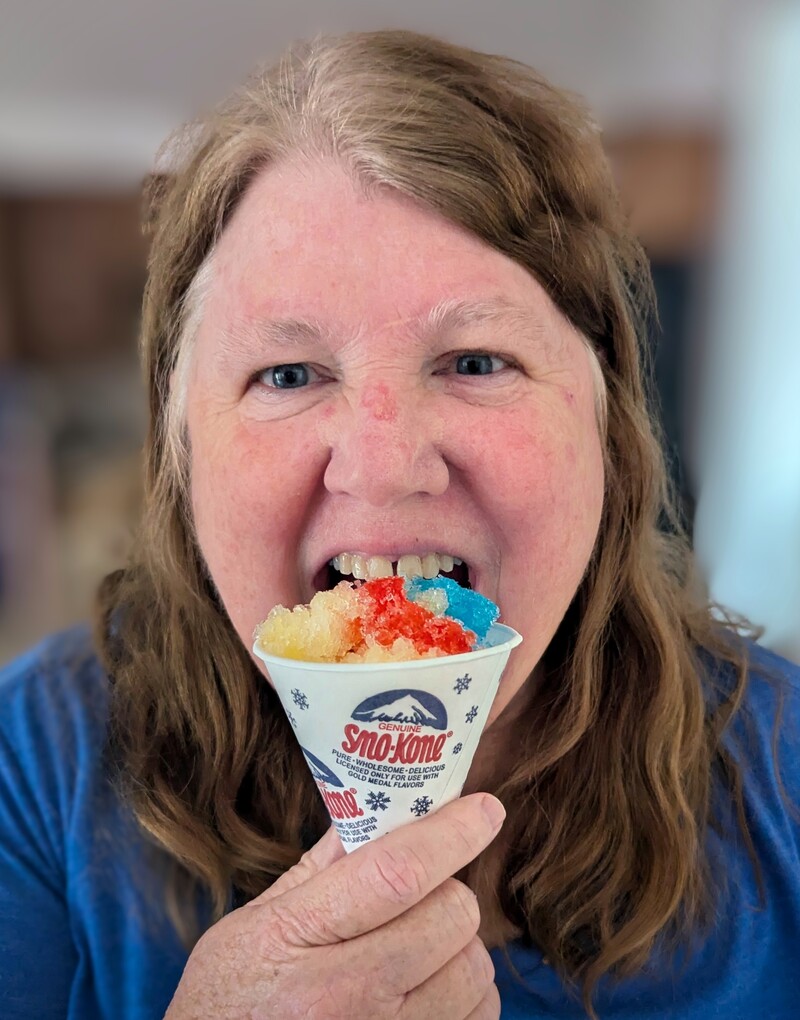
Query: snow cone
(390,728)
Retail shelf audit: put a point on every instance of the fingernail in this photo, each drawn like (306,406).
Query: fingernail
(494,811)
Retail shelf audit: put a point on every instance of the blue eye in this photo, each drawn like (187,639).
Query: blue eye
(478,364)
(287,377)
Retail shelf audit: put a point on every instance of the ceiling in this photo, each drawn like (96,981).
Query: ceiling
(89,88)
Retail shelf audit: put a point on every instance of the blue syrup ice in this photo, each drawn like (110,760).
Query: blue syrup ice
(472,610)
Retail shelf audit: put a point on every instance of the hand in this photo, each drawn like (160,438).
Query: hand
(382,933)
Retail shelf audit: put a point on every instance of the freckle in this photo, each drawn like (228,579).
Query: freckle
(380,403)
(569,396)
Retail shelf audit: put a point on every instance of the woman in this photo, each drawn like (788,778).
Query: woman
(393,308)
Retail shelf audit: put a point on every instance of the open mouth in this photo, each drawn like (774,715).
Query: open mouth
(349,566)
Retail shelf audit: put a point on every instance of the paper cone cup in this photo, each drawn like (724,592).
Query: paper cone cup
(390,742)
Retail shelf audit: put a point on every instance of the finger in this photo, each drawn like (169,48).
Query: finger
(384,878)
(462,984)
(489,1006)
(404,953)
(325,852)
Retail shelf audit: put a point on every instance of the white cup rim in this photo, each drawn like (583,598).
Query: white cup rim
(509,640)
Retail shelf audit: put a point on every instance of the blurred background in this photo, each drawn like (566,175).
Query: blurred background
(698,102)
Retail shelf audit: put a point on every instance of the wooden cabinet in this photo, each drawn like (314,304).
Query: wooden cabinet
(72,410)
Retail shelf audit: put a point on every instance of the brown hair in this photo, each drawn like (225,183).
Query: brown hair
(625,713)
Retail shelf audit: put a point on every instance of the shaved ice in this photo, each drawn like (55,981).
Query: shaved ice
(388,619)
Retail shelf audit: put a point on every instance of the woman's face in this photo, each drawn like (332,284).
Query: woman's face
(437,402)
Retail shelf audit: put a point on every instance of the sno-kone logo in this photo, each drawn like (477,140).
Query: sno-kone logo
(399,718)
(340,803)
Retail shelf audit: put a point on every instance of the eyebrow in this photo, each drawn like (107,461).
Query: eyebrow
(453,314)
(449,315)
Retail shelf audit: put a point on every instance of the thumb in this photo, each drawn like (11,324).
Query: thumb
(327,850)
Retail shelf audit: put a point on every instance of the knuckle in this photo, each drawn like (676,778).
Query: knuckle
(217,940)
(480,961)
(305,867)
(399,874)
(208,941)
(461,903)
(327,1002)
(326,1005)
(343,995)
(467,843)
(287,928)
(489,1007)
(377,999)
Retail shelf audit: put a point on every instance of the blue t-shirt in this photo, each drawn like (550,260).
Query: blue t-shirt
(82,938)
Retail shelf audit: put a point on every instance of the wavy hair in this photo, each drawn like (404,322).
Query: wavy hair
(609,792)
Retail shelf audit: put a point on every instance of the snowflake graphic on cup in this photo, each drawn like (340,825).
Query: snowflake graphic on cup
(462,683)
(421,806)
(377,800)
(299,699)
(471,715)
(457,748)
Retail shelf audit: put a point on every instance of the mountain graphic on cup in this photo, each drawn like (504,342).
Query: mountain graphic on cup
(320,771)
(420,708)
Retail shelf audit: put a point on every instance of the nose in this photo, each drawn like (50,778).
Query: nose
(385,448)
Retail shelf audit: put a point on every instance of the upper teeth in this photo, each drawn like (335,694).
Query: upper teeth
(410,565)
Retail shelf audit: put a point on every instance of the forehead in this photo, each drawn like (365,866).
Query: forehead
(306,246)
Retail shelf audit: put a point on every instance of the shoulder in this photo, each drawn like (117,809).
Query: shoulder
(772,689)
(764,663)
(60,677)
(53,708)
(773,700)
(77,874)
(764,737)
(56,659)
(771,703)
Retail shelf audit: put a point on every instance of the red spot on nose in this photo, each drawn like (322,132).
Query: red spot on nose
(380,403)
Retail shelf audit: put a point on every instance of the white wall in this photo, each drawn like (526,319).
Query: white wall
(89,88)
(747,528)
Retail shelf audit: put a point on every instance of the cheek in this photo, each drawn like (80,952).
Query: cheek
(537,463)
(249,497)
(246,469)
(546,489)
(225,485)
(546,484)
